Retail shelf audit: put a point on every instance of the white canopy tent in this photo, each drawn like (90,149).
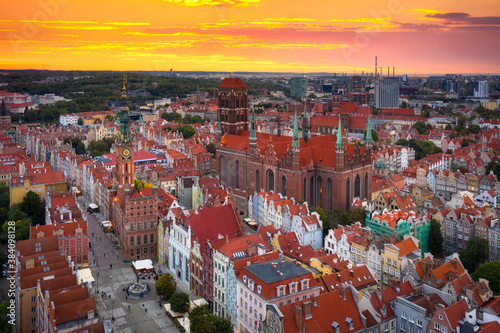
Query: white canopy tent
(185,324)
(143,264)
(93,206)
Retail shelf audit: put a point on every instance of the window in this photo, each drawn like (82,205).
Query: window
(132,241)
(33,299)
(152,238)
(131,227)
(440,317)
(145,239)
(403,315)
(33,309)
(403,326)
(33,320)
(419,323)
(138,240)
(411,319)
(436,325)
(444,329)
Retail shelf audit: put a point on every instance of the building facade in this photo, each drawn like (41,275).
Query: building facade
(320,170)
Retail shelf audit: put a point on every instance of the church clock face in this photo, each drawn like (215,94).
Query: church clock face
(126,152)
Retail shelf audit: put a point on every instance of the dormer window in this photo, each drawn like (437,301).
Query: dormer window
(350,323)
(244,279)
(259,289)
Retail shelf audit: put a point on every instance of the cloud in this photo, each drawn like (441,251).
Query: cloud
(457,17)
(427,11)
(58,21)
(290,46)
(127,23)
(214,3)
(79,27)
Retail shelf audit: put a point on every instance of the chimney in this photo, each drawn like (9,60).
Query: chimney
(307,310)
(313,297)
(298,317)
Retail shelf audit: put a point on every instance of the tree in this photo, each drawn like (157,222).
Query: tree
(420,126)
(80,121)
(179,302)
(211,148)
(199,318)
(165,286)
(22,227)
(374,135)
(4,319)
(448,127)
(33,207)
(204,321)
(435,239)
(494,167)
(109,117)
(474,254)
(490,271)
(466,142)
(187,131)
(405,105)
(311,95)
(141,184)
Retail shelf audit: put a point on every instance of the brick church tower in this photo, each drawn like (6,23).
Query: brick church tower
(232,106)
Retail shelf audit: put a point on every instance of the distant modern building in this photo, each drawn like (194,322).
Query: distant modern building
(387,93)
(481,89)
(452,86)
(298,86)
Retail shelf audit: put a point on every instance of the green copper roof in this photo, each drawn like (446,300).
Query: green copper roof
(369,131)
(253,135)
(218,123)
(295,142)
(340,143)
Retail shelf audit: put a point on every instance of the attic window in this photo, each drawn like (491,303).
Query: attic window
(244,279)
(259,289)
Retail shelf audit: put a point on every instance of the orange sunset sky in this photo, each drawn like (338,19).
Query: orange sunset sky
(422,36)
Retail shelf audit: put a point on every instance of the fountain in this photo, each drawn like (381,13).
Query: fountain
(138,290)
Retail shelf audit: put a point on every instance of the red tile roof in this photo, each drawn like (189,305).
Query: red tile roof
(323,317)
(232,83)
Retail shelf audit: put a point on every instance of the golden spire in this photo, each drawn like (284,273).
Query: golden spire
(124,89)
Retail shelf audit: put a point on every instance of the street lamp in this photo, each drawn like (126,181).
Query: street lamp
(112,308)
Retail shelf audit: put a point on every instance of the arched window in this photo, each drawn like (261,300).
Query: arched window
(270,180)
(257,180)
(357,187)
(319,191)
(329,194)
(283,186)
(229,173)
(237,174)
(305,189)
(222,169)
(366,186)
(311,192)
(244,175)
(348,193)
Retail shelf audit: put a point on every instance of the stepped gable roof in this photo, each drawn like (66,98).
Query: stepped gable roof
(322,317)
(213,224)
(267,232)
(232,83)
